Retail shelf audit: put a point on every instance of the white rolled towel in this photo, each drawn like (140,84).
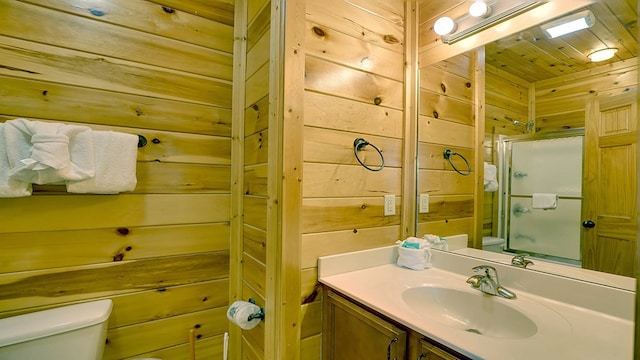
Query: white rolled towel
(490,177)
(115,158)
(46,153)
(9,187)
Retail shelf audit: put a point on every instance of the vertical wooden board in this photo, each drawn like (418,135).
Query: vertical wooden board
(334,79)
(59,248)
(328,180)
(138,339)
(81,34)
(444,132)
(327,111)
(329,243)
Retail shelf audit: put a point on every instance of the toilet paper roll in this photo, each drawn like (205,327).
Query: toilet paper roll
(239,312)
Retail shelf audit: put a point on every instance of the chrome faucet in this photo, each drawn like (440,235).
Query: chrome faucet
(488,283)
(520,261)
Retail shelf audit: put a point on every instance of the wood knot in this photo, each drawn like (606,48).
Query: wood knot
(122,231)
(443,87)
(435,114)
(168,10)
(390,39)
(468,85)
(155,141)
(377,100)
(318,31)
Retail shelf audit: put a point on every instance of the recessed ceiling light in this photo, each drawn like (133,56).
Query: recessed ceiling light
(602,54)
(444,26)
(569,24)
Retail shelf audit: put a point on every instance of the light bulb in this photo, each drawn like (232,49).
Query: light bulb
(479,9)
(602,54)
(444,26)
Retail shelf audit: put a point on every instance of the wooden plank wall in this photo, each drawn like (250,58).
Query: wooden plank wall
(161,69)
(560,102)
(256,169)
(507,99)
(354,84)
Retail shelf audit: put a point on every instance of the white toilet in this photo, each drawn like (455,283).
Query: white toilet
(491,243)
(65,333)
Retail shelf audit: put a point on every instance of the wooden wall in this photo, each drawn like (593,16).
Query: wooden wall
(507,98)
(354,87)
(162,69)
(256,164)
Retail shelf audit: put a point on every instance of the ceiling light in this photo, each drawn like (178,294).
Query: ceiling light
(602,54)
(479,9)
(444,26)
(569,24)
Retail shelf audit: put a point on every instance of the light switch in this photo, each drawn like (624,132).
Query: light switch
(389,205)
(424,204)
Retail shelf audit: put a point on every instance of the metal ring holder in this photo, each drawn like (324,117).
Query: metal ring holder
(358,145)
(449,153)
(256,315)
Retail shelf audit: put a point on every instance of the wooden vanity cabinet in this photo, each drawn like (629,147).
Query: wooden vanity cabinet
(352,332)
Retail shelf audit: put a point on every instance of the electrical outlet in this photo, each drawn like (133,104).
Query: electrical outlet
(424,204)
(389,205)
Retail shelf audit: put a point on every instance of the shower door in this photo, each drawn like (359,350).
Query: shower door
(537,166)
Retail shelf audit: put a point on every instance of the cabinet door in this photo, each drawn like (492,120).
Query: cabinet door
(351,332)
(429,351)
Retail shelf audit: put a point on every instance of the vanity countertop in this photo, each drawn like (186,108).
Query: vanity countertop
(564,330)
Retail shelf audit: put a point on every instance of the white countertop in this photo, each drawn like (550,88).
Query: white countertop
(564,331)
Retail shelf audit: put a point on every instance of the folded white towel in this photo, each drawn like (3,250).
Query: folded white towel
(544,201)
(115,159)
(414,253)
(490,177)
(46,153)
(9,187)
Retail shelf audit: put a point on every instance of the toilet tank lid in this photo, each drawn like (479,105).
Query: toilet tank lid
(45,323)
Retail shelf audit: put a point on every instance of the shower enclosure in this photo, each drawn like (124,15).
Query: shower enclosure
(540,199)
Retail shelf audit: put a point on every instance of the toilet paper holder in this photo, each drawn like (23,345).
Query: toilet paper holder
(257,314)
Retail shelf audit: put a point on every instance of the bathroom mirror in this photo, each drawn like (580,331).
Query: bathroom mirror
(534,86)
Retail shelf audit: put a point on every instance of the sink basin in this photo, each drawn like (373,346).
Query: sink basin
(473,312)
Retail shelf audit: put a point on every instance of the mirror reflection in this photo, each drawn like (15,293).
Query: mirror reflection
(549,125)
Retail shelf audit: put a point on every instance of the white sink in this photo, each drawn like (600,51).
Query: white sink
(473,312)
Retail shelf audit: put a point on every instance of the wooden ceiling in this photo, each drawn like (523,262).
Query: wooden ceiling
(532,56)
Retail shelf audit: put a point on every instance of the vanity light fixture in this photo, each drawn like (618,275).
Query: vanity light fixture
(481,14)
(569,24)
(602,54)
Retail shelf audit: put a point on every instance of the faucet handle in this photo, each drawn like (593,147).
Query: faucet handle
(520,261)
(485,268)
